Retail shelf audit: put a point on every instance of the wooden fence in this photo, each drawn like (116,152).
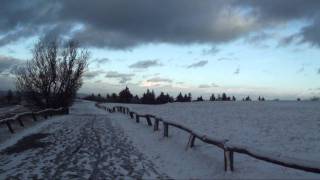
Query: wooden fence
(45,113)
(228,148)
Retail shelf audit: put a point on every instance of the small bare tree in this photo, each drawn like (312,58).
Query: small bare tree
(54,74)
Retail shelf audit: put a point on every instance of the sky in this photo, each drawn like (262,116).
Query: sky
(241,47)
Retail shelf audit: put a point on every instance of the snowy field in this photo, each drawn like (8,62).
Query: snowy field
(291,129)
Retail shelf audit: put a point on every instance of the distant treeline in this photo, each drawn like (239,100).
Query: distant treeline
(10,98)
(149,97)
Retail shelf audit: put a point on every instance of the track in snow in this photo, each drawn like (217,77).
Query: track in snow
(81,146)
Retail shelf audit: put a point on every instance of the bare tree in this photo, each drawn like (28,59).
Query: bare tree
(54,74)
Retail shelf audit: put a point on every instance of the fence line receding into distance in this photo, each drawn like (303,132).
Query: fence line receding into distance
(45,113)
(228,148)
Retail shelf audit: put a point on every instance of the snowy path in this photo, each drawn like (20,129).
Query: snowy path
(83,145)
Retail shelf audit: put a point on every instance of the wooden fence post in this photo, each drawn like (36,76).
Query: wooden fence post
(20,122)
(228,160)
(9,127)
(137,118)
(225,160)
(66,110)
(231,160)
(189,141)
(148,120)
(156,124)
(34,117)
(166,129)
(193,138)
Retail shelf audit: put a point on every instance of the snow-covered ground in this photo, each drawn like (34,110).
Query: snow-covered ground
(81,145)
(290,129)
(91,143)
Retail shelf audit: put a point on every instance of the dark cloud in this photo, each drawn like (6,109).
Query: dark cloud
(13,36)
(93,74)
(259,39)
(211,51)
(122,77)
(281,11)
(204,86)
(159,80)
(301,70)
(226,59)
(123,24)
(9,64)
(214,85)
(308,34)
(288,40)
(313,89)
(124,80)
(149,75)
(237,71)
(198,64)
(115,74)
(311,33)
(273,13)
(145,64)
(101,60)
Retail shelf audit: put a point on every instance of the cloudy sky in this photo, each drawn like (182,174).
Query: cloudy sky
(242,47)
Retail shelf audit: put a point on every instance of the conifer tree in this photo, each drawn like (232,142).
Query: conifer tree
(179,98)
(200,98)
(224,97)
(212,97)
(125,95)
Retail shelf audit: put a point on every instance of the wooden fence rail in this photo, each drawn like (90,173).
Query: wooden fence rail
(45,113)
(228,148)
